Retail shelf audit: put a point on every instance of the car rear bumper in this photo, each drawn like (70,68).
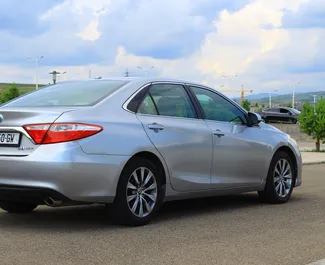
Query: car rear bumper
(11,193)
(62,171)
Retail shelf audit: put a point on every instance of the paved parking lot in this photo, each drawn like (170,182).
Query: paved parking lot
(225,230)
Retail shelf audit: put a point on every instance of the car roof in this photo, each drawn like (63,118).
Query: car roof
(139,79)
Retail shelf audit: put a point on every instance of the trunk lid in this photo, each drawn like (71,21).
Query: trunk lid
(14,140)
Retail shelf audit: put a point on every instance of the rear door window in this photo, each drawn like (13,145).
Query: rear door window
(168,100)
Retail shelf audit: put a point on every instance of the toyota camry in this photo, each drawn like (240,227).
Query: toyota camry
(134,143)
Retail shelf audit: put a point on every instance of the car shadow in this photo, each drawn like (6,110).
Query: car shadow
(82,218)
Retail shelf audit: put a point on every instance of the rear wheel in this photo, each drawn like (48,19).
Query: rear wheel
(280,180)
(17,207)
(140,193)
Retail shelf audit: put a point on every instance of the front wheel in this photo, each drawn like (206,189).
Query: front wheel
(17,207)
(293,120)
(280,180)
(140,193)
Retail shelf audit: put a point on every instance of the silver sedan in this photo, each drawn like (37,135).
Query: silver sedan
(134,143)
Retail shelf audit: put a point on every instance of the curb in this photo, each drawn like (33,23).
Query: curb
(319,262)
(313,163)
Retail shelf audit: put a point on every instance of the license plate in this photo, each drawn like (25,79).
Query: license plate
(9,139)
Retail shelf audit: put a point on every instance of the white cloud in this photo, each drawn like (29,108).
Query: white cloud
(125,34)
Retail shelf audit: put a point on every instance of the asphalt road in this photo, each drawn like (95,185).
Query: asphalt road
(224,230)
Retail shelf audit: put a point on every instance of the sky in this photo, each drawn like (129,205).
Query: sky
(264,45)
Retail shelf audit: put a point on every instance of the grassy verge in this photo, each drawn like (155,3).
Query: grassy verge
(313,151)
(23,88)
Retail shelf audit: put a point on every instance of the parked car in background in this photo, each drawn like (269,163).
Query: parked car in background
(280,114)
(135,143)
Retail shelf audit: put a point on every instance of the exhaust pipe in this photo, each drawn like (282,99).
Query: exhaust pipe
(53,202)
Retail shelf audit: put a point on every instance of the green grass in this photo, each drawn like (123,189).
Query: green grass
(23,88)
(314,151)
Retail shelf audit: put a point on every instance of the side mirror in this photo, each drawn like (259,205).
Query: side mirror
(254,118)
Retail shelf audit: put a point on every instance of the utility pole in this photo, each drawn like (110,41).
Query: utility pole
(294,91)
(314,103)
(314,96)
(145,70)
(54,74)
(231,77)
(89,74)
(36,65)
(270,96)
(127,73)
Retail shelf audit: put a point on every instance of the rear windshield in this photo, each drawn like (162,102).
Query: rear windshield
(85,93)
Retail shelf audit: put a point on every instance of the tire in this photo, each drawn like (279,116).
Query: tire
(17,207)
(292,120)
(274,191)
(124,212)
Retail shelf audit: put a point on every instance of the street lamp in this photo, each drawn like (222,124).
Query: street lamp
(55,74)
(270,96)
(36,64)
(231,77)
(314,96)
(145,70)
(293,92)
(59,74)
(314,102)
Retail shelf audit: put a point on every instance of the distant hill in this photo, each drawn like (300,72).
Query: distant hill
(276,98)
(257,96)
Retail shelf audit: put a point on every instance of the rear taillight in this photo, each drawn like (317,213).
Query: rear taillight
(60,132)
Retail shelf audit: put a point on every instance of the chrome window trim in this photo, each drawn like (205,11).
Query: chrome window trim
(174,117)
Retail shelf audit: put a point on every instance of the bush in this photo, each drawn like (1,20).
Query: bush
(246,105)
(9,93)
(312,121)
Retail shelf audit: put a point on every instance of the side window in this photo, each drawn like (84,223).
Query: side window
(217,108)
(147,106)
(168,100)
(284,111)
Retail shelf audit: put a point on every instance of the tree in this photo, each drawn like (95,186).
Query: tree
(9,93)
(290,105)
(312,121)
(256,105)
(263,106)
(246,105)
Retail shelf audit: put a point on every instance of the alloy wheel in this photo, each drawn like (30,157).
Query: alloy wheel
(282,177)
(141,192)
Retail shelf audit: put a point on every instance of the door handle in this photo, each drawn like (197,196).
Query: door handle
(155,127)
(218,133)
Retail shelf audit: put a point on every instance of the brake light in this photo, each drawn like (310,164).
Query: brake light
(60,132)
